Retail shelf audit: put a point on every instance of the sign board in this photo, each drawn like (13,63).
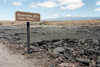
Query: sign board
(26,16)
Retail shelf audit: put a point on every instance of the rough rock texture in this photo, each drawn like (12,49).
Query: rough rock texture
(73,52)
(60,45)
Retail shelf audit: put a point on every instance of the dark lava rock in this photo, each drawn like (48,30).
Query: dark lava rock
(81,51)
(83,61)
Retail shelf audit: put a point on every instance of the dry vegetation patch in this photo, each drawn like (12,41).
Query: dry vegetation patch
(81,22)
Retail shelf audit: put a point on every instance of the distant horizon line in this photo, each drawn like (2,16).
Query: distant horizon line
(55,18)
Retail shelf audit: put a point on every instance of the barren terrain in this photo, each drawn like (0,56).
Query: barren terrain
(18,34)
(57,46)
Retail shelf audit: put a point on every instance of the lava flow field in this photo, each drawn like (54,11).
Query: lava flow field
(57,46)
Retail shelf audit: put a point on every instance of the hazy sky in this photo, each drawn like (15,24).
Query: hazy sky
(50,8)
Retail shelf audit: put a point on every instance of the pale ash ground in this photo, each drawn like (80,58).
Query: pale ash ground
(13,60)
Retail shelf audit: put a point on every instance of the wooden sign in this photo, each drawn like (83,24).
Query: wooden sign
(26,16)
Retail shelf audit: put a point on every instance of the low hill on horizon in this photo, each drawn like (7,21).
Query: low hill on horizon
(71,18)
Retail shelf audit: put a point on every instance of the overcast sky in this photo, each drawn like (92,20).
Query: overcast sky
(50,8)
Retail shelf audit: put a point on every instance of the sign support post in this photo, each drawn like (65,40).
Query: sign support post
(28,37)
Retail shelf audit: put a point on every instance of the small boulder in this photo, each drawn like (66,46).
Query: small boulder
(59,42)
(96,41)
(58,50)
(83,61)
(67,65)
(68,48)
(97,51)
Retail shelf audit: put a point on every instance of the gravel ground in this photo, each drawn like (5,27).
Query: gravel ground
(8,59)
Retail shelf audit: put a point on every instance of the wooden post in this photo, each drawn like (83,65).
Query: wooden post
(28,37)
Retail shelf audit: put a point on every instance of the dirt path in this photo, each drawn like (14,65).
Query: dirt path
(12,60)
